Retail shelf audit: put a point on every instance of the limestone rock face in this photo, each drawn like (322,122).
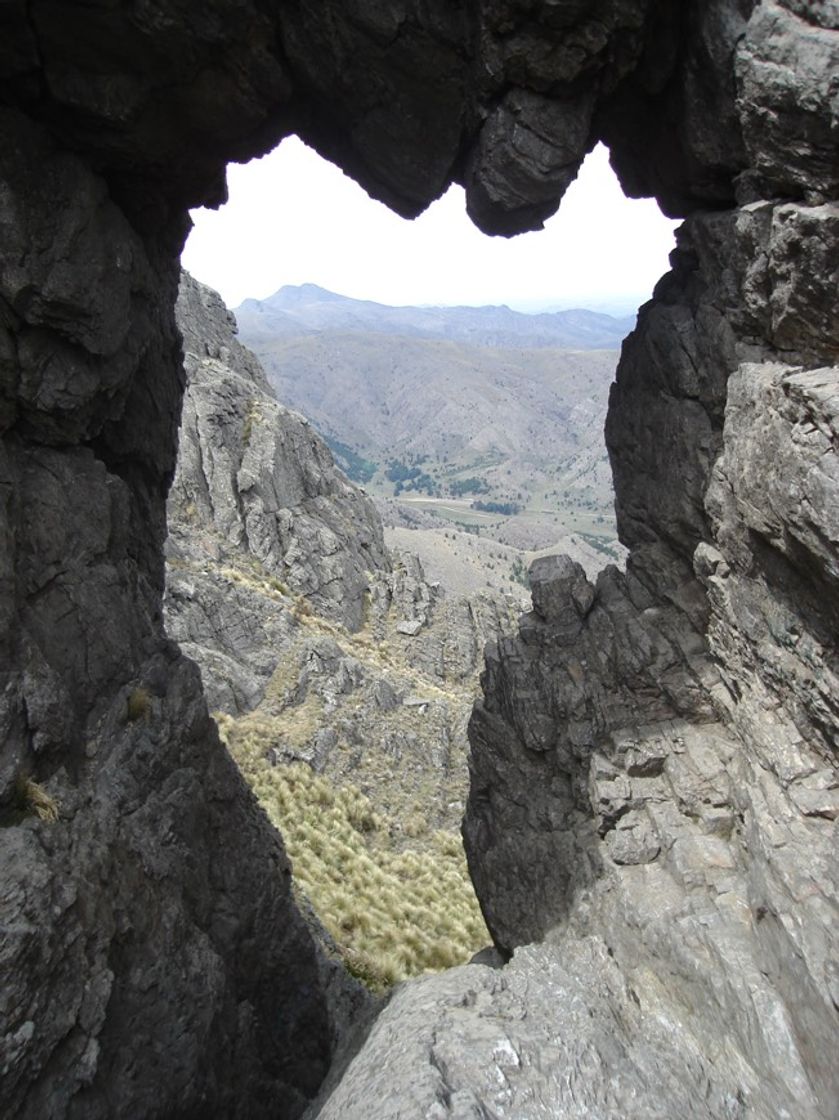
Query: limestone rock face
(664,756)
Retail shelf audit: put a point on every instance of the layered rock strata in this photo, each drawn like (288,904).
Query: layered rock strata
(152,962)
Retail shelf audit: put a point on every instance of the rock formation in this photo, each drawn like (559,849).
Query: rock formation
(666,742)
(256,493)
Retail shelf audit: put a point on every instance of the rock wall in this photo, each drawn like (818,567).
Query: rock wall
(666,742)
(677,728)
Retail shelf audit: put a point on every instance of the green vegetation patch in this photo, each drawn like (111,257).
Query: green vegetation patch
(472,485)
(354,466)
(507,509)
(408,477)
(599,544)
(521,572)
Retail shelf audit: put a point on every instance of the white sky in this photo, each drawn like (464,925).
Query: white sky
(293,218)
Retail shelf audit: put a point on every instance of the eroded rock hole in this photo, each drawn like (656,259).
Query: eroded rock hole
(460,384)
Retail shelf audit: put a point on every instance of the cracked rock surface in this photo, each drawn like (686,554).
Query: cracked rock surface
(255,479)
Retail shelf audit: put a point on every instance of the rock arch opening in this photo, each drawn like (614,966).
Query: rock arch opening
(343,674)
(295,220)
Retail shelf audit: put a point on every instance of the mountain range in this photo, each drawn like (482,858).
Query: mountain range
(309,309)
(482,409)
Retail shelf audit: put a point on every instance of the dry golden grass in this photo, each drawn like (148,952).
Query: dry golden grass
(34,799)
(252,417)
(393,914)
(255,579)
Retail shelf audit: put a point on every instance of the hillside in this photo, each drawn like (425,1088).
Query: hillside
(478,434)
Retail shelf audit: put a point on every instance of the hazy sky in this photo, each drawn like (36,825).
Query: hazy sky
(293,218)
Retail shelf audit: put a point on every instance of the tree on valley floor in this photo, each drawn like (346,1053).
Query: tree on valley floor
(472,485)
(506,509)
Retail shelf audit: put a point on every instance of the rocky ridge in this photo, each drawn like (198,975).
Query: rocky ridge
(141,938)
(280,587)
(307,309)
(255,482)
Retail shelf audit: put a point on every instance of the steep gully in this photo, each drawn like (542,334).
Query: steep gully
(654,792)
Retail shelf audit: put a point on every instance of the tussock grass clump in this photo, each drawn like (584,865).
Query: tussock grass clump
(252,417)
(393,914)
(32,799)
(138,705)
(302,608)
(254,578)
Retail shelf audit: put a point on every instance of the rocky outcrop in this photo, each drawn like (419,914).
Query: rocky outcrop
(254,480)
(258,515)
(155,963)
(558,1032)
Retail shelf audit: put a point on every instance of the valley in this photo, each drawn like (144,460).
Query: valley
(340,674)
(484,421)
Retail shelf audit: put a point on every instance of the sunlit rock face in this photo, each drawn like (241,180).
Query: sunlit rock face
(256,480)
(654,790)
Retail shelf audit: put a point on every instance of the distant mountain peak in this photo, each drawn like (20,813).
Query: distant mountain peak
(309,309)
(292,295)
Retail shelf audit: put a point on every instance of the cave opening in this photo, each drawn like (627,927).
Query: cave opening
(461,382)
